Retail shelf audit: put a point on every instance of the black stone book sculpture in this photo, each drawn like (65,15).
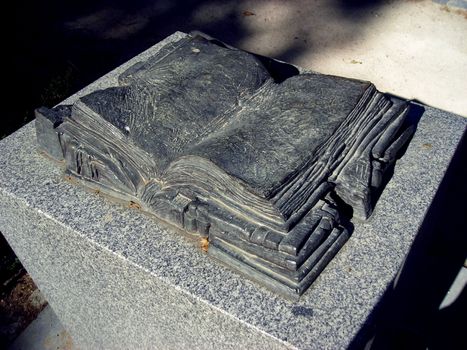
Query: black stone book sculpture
(221,143)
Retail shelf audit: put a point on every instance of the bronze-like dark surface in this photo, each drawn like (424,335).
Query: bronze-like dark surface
(216,141)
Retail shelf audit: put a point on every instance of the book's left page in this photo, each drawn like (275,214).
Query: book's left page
(179,96)
(125,136)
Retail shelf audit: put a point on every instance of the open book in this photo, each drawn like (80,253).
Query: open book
(238,148)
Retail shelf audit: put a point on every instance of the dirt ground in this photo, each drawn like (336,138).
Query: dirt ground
(20,299)
(19,308)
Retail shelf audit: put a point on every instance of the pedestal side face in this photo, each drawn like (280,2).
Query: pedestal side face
(107,302)
(117,278)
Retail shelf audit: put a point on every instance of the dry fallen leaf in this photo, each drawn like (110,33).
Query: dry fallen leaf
(134,205)
(427,145)
(204,244)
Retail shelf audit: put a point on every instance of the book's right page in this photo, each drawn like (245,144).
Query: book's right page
(278,130)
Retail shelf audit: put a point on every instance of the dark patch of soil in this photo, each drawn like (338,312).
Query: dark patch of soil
(19,308)
(20,299)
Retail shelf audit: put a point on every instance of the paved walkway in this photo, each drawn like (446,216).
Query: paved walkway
(44,333)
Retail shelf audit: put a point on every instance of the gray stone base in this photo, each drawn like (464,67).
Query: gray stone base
(118,279)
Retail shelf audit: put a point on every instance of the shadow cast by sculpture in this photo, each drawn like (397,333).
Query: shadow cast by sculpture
(409,316)
(58,48)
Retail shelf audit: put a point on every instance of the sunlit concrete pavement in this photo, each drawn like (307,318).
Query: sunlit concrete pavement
(414,49)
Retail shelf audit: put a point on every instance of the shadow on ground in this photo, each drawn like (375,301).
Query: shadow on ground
(60,47)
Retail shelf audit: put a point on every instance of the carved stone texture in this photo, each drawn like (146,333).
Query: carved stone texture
(261,161)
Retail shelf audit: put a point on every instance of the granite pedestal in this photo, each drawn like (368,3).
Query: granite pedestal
(119,279)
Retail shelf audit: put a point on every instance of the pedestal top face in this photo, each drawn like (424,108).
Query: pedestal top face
(328,315)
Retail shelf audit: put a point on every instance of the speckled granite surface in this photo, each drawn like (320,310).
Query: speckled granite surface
(118,279)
